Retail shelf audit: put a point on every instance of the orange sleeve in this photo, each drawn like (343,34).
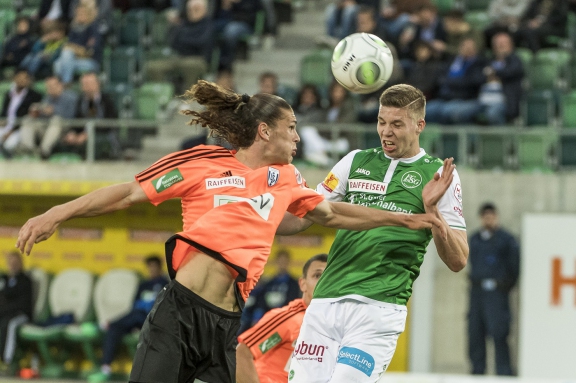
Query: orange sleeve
(161,183)
(267,334)
(304,199)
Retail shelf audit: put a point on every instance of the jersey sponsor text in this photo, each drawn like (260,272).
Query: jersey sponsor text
(367,186)
(234,181)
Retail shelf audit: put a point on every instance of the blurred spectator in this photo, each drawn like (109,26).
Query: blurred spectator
(494,268)
(54,10)
(44,120)
(398,14)
(104,12)
(459,87)
(341,108)
(429,28)
(543,18)
(93,104)
(15,304)
(83,51)
(308,111)
(425,71)
(506,16)
(457,29)
(366,22)
(134,320)
(17,46)
(277,292)
(341,16)
(501,94)
(268,83)
(225,79)
(17,102)
(193,40)
(234,19)
(46,50)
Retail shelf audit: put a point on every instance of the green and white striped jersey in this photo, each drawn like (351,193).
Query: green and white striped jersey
(380,265)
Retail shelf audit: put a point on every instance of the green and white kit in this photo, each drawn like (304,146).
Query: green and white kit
(369,276)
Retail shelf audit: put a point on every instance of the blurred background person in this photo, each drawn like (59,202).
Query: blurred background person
(494,268)
(46,49)
(193,41)
(264,350)
(273,293)
(17,46)
(15,304)
(542,19)
(17,102)
(44,121)
(134,320)
(83,50)
(505,16)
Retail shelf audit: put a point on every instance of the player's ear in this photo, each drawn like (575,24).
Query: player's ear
(302,284)
(264,131)
(420,125)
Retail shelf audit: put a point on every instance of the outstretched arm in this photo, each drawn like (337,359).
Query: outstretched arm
(98,202)
(291,225)
(453,247)
(342,215)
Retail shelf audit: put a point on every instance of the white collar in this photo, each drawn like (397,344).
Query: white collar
(408,160)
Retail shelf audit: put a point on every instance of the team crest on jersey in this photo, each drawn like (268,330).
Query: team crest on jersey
(411,179)
(458,193)
(273,175)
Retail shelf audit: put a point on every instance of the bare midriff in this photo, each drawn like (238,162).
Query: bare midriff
(208,278)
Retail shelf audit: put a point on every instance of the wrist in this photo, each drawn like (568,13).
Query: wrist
(433,209)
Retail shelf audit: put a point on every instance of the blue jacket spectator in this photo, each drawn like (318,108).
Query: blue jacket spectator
(18,46)
(459,88)
(429,28)
(193,40)
(506,67)
(234,20)
(83,51)
(143,302)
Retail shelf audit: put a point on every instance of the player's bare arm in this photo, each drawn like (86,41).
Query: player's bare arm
(342,215)
(453,247)
(245,368)
(98,202)
(291,225)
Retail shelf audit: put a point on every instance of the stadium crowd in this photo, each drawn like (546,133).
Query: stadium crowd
(476,63)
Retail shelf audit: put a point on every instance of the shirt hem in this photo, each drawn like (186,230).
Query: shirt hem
(363,299)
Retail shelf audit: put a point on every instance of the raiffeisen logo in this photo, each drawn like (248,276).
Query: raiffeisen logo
(356,358)
(305,351)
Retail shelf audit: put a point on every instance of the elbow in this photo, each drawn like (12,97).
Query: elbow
(458,264)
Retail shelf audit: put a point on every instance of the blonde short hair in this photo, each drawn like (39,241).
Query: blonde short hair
(405,96)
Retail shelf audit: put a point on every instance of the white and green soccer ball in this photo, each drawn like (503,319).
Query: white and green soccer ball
(362,63)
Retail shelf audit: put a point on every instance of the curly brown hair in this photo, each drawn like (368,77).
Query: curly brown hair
(233,116)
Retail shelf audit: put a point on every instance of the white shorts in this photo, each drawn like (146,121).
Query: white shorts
(346,341)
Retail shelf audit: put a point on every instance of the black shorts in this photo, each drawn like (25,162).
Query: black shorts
(185,338)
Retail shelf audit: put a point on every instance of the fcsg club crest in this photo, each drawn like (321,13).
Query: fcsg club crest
(273,175)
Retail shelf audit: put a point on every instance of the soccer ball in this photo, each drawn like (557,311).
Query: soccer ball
(362,63)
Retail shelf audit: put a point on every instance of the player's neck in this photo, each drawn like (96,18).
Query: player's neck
(250,158)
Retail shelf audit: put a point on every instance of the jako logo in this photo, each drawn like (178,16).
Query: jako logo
(363,171)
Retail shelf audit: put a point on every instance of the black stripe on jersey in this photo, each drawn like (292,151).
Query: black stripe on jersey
(179,155)
(270,325)
(178,162)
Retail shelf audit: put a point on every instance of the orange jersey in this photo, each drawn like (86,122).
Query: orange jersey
(229,211)
(272,340)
